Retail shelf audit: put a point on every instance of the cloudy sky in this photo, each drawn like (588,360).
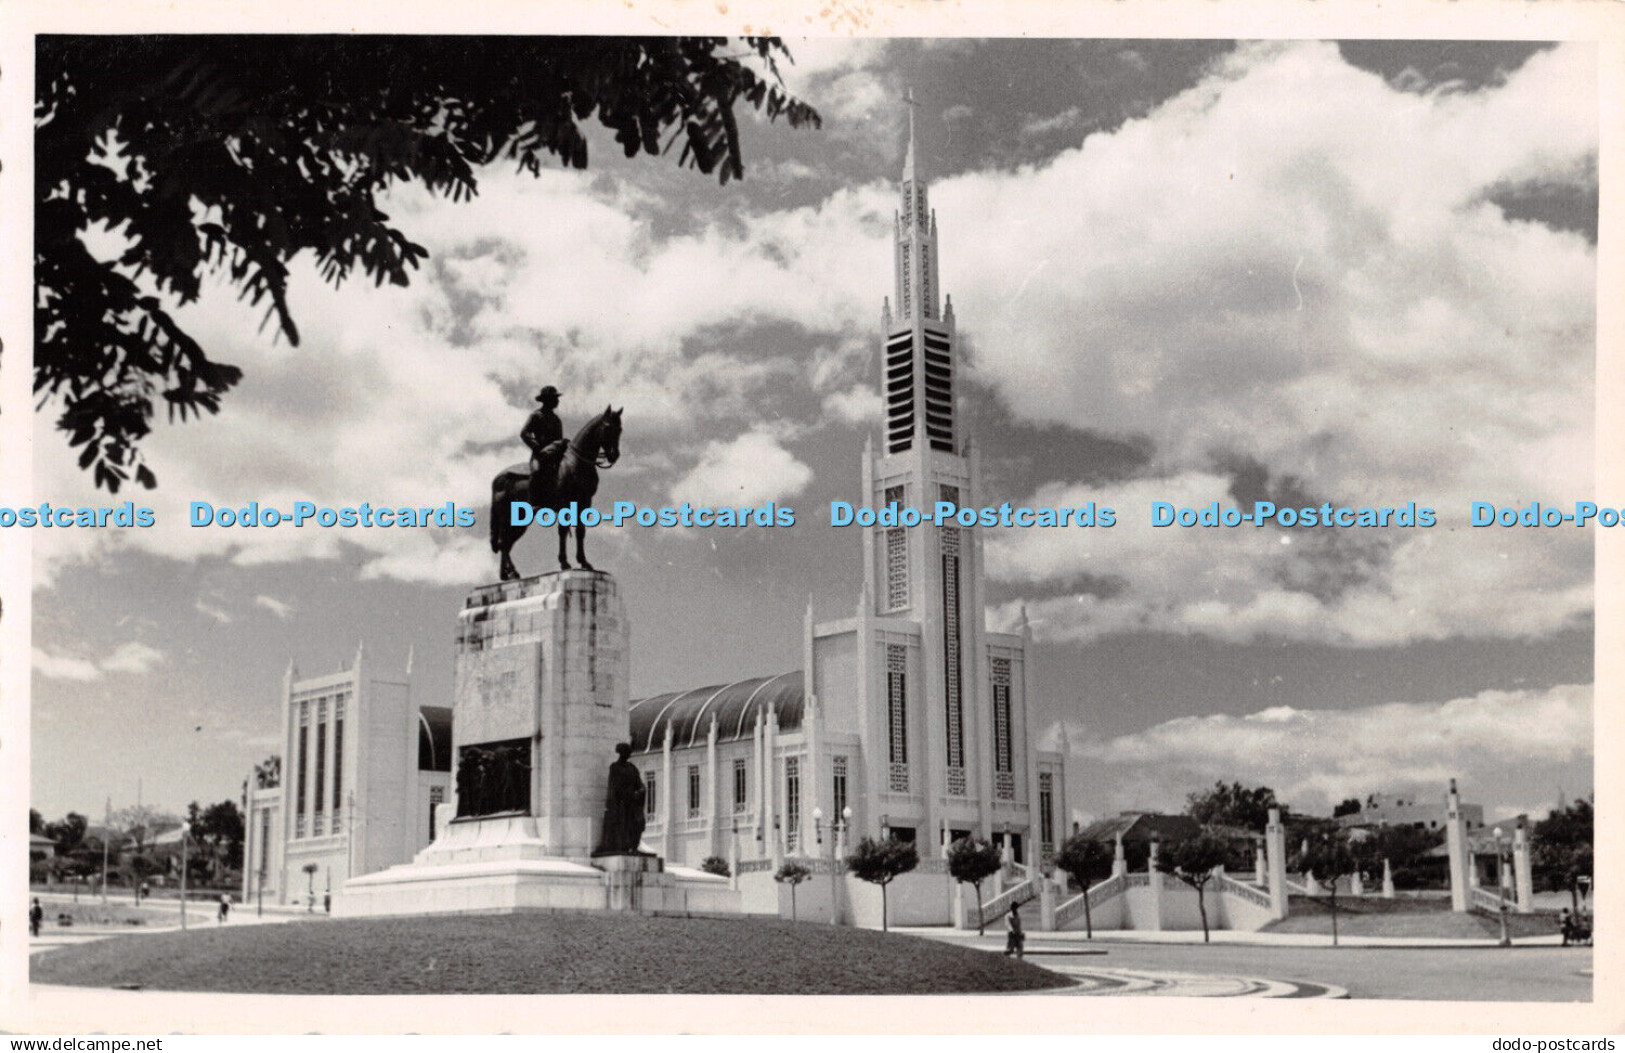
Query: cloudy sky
(1183,271)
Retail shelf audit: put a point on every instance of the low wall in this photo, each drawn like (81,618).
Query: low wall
(920,897)
(1173,908)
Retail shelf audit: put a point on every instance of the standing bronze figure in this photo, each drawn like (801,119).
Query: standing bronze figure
(559,475)
(623,807)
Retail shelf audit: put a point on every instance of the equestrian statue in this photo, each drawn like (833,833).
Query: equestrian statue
(560,473)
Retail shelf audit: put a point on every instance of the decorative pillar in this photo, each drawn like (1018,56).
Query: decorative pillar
(1119,858)
(1029,691)
(758,743)
(1261,875)
(1522,867)
(775,822)
(812,780)
(710,798)
(1046,897)
(1275,859)
(668,791)
(1461,864)
(1387,879)
(733,855)
(1356,883)
(1154,886)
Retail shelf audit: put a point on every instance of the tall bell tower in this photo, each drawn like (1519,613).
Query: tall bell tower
(928,574)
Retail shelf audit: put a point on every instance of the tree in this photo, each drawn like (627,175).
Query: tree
(219,829)
(972,861)
(1087,861)
(715,865)
(268,773)
(1563,847)
(1233,805)
(234,155)
(792,873)
(1402,845)
(68,832)
(1348,806)
(1193,861)
(136,825)
(139,822)
(36,821)
(878,862)
(1329,860)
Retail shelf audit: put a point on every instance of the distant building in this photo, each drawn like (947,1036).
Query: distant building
(362,769)
(1141,828)
(1424,813)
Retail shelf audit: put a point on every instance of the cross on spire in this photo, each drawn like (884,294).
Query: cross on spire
(908,158)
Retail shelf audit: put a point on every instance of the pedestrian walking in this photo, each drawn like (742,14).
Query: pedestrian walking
(36,915)
(225,907)
(1016,942)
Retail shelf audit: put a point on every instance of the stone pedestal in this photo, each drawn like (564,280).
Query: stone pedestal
(546,659)
(640,883)
(541,661)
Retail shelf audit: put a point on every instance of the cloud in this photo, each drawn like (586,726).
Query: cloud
(63,667)
(1505,747)
(1360,587)
(747,471)
(1064,121)
(132,658)
(270,603)
(1291,265)
(402,396)
(857,405)
(1294,266)
(211,610)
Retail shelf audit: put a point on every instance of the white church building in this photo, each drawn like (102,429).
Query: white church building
(907,710)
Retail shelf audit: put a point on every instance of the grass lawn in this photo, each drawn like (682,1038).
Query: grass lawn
(1398,917)
(538,954)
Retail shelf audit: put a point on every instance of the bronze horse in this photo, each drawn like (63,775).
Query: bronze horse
(597,445)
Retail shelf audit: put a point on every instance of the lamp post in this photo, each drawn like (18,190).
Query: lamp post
(1502,860)
(818,838)
(837,826)
(733,855)
(259,905)
(184,839)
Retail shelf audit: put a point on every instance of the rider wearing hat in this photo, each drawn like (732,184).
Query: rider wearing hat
(544,434)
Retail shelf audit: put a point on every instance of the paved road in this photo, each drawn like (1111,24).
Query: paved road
(1493,974)
(1483,973)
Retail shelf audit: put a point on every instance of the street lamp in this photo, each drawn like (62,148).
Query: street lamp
(837,827)
(183,874)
